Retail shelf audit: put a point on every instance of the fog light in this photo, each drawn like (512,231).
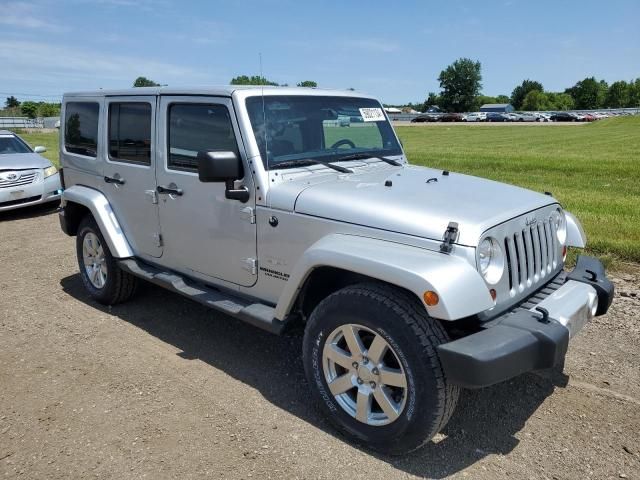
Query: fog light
(431,298)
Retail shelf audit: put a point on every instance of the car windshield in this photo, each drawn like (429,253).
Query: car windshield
(292,128)
(11,144)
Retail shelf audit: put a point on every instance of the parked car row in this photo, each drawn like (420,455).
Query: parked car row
(516,117)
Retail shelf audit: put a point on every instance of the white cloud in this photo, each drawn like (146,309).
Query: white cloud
(24,15)
(58,67)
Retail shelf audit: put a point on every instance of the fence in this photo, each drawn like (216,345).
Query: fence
(21,122)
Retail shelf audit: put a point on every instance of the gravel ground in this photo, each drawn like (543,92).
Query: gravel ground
(163,388)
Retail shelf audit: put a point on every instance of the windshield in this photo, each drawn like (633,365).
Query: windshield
(316,127)
(11,144)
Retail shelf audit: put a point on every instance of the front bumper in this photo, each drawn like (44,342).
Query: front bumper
(40,191)
(525,340)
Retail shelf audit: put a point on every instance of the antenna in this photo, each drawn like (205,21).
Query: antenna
(264,120)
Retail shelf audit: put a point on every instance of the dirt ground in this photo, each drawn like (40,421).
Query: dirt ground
(163,388)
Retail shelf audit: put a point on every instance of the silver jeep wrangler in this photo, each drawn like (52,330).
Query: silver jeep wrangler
(281,206)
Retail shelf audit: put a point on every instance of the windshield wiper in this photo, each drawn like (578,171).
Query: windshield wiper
(362,156)
(311,161)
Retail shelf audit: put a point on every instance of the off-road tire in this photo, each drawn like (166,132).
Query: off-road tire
(402,321)
(120,286)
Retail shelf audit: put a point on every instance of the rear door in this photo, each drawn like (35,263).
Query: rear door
(129,172)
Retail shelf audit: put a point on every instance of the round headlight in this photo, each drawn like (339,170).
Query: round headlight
(491,260)
(560,223)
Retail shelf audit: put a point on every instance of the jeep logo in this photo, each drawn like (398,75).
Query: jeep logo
(529,221)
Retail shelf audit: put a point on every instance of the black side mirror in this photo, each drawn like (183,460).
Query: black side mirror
(219,166)
(223,167)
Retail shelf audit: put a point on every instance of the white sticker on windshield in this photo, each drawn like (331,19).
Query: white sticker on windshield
(372,114)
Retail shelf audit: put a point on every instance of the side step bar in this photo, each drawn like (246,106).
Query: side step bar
(257,314)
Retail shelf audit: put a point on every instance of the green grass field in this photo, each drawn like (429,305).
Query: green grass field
(594,170)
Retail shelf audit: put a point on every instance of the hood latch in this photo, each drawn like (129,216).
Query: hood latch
(449,237)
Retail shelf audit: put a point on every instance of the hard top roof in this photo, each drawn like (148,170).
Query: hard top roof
(218,90)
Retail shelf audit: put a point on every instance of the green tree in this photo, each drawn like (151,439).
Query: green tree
(535,100)
(308,83)
(559,101)
(12,102)
(433,100)
(518,94)
(460,83)
(618,95)
(588,93)
(145,82)
(30,109)
(503,99)
(253,80)
(483,100)
(634,93)
(48,109)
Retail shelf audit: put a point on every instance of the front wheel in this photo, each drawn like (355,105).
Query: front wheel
(100,274)
(370,358)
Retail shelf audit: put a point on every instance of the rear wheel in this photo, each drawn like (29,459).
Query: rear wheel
(100,274)
(370,358)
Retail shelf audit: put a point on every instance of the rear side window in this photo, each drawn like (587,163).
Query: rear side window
(194,128)
(81,128)
(130,132)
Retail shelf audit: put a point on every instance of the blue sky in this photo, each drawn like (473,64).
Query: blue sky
(394,50)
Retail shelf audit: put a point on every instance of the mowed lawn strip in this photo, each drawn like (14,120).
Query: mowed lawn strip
(48,140)
(593,170)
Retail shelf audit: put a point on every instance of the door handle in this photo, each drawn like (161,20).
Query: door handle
(170,190)
(117,181)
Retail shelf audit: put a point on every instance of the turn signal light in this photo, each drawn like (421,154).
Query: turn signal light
(564,253)
(431,298)
(493,294)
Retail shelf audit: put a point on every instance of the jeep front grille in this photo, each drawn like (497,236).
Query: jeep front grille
(532,255)
(24,178)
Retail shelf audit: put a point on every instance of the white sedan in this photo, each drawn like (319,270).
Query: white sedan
(26,177)
(476,117)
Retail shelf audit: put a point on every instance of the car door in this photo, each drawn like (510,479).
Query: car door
(202,231)
(129,172)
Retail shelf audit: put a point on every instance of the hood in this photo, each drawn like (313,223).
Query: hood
(419,201)
(22,161)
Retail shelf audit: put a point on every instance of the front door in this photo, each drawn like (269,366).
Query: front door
(202,231)
(129,172)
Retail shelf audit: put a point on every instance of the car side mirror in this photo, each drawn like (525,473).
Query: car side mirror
(223,167)
(40,149)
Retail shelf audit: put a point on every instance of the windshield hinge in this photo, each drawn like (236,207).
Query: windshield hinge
(251,265)
(157,238)
(249,214)
(449,237)
(153,196)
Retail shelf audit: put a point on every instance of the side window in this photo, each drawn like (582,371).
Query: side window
(130,132)
(194,128)
(81,128)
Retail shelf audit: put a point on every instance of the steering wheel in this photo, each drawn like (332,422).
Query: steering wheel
(344,141)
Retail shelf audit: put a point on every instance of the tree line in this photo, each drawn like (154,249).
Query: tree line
(460,91)
(461,83)
(239,80)
(15,108)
